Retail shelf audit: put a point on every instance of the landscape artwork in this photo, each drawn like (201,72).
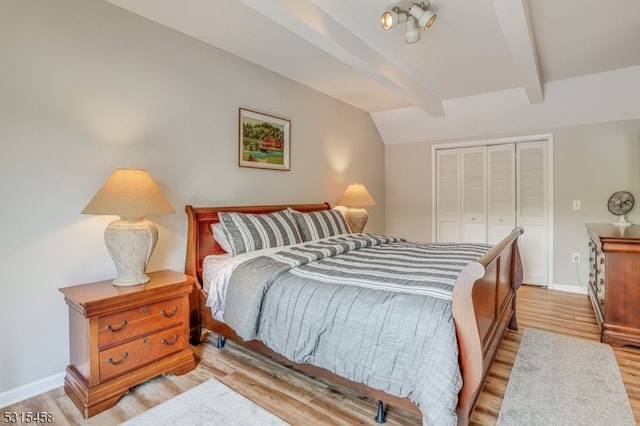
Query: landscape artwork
(264,141)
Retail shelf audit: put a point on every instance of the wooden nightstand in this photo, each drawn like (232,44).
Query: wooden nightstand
(122,336)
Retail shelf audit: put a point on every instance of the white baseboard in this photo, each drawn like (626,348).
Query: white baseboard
(568,288)
(13,396)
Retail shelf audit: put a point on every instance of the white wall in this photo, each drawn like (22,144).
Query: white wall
(590,163)
(86,87)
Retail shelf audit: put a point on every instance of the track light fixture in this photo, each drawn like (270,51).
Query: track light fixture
(413,33)
(392,18)
(425,17)
(417,16)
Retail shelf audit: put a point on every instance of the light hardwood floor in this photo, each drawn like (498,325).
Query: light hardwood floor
(301,400)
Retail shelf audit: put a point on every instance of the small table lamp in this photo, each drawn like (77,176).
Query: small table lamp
(355,198)
(130,194)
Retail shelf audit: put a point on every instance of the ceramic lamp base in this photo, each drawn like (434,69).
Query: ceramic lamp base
(130,242)
(356,218)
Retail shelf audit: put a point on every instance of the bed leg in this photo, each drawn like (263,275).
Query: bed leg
(381,417)
(221,342)
(513,321)
(195,334)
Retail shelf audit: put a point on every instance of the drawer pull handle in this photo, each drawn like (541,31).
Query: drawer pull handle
(124,358)
(117,330)
(165,314)
(175,339)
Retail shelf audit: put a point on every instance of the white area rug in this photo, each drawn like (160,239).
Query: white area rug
(209,403)
(562,380)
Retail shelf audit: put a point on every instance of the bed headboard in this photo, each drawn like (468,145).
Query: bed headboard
(200,241)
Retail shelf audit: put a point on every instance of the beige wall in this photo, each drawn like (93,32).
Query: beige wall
(408,189)
(590,163)
(86,87)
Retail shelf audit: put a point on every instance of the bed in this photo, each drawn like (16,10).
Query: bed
(482,305)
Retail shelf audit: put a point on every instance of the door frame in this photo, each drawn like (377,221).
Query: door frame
(544,137)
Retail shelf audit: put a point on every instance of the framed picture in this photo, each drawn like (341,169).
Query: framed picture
(264,141)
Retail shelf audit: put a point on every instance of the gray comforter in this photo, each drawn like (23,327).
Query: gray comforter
(375,310)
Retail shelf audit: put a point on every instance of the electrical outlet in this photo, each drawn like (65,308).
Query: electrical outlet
(575,258)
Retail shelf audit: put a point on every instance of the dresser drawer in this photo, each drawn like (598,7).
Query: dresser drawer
(123,358)
(122,326)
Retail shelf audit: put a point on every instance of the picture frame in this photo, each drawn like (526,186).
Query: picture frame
(264,141)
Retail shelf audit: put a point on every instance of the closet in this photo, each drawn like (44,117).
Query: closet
(484,191)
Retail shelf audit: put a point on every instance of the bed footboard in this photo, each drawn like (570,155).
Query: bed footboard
(484,303)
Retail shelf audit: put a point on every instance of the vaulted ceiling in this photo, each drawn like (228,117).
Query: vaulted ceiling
(485,67)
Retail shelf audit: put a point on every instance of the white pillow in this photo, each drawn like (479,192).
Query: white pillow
(221,237)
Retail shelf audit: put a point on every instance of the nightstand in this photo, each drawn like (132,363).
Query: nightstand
(122,336)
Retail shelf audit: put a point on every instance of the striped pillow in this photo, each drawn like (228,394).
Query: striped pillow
(320,224)
(249,232)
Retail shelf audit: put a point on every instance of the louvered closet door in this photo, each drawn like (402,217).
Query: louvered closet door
(531,206)
(474,195)
(501,190)
(448,195)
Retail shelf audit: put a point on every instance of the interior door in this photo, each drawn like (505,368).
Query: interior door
(448,195)
(473,163)
(501,190)
(531,209)
(483,192)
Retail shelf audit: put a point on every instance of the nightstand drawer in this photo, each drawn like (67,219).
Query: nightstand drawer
(129,356)
(122,326)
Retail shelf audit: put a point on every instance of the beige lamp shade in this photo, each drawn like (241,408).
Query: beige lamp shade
(355,198)
(130,194)
(356,195)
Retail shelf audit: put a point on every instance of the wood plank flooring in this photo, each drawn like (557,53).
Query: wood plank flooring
(302,400)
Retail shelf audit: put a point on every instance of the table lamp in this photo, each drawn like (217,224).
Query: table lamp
(355,198)
(130,194)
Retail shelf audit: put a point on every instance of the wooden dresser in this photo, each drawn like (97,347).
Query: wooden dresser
(614,282)
(122,336)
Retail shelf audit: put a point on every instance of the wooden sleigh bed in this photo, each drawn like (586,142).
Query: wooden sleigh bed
(483,304)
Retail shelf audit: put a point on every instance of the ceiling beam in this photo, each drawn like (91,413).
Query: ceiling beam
(514,19)
(311,23)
